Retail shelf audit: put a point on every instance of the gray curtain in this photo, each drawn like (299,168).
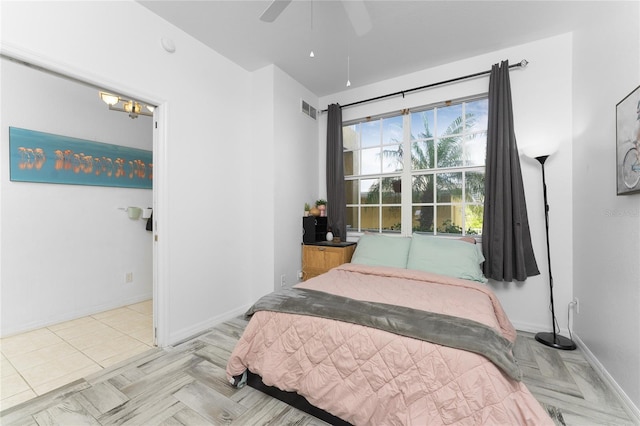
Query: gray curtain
(506,238)
(336,200)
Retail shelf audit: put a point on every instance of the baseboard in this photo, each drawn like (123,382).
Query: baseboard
(535,328)
(627,403)
(529,328)
(196,329)
(69,316)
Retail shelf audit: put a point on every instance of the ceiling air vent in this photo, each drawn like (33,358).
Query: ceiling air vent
(308,109)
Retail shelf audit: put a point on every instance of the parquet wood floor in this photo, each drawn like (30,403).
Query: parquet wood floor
(568,386)
(186,385)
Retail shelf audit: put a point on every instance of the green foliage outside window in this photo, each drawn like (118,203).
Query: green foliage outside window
(446,171)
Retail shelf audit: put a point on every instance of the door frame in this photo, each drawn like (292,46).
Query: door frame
(159,286)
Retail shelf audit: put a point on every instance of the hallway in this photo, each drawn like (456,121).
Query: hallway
(41,360)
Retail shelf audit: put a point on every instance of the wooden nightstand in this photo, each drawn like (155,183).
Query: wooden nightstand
(318,258)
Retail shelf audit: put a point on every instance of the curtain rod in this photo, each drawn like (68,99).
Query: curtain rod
(521,64)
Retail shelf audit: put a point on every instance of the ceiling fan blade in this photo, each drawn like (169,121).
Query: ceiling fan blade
(274,10)
(358,15)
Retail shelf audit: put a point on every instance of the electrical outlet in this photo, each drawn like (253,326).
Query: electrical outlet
(128,277)
(300,276)
(283,280)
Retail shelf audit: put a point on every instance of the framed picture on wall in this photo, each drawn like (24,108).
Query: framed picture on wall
(628,144)
(47,158)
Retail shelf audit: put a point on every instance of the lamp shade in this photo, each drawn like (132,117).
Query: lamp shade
(109,99)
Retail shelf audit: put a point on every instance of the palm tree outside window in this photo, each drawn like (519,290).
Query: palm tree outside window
(444,171)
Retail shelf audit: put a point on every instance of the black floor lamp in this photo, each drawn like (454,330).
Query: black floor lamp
(551,339)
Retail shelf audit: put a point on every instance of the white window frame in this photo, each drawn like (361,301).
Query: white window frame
(407,174)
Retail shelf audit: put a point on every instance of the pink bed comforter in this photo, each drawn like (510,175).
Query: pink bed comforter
(372,377)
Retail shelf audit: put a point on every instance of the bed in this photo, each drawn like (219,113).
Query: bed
(405,334)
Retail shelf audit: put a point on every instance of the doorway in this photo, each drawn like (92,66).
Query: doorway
(47,220)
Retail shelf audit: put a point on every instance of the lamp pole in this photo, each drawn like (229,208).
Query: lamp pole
(551,339)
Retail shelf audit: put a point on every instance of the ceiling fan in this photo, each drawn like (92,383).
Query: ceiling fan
(355,9)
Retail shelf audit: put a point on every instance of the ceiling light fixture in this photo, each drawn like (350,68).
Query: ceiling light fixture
(133,108)
(109,99)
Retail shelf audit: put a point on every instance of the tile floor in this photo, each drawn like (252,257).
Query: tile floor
(38,361)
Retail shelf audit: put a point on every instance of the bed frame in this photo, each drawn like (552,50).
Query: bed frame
(294,400)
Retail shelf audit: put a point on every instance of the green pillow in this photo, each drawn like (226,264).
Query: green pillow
(445,256)
(382,250)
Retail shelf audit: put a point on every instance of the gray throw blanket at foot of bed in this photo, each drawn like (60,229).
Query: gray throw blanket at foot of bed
(455,332)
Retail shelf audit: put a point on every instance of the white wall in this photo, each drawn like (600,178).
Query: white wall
(285,175)
(296,173)
(606,63)
(542,111)
(66,248)
(204,247)
(262,205)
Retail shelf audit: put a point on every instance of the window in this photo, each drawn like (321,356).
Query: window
(444,171)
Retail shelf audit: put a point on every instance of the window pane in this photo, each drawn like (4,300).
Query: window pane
(475,149)
(422,125)
(391,190)
(351,161)
(352,219)
(450,151)
(392,130)
(350,137)
(473,219)
(391,218)
(477,115)
(449,120)
(392,159)
(422,219)
(422,191)
(422,155)
(448,187)
(352,194)
(447,153)
(370,191)
(371,161)
(370,219)
(474,187)
(450,219)
(370,133)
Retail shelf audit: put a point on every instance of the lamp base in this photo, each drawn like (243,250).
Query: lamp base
(556,341)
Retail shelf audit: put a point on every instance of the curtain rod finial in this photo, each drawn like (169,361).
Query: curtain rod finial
(524,63)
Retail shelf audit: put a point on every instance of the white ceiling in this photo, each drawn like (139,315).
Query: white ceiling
(406,36)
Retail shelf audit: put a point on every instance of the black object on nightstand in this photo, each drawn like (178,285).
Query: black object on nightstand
(314,229)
